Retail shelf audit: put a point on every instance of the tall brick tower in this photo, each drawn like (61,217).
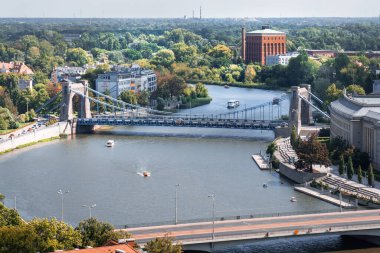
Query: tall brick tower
(257,45)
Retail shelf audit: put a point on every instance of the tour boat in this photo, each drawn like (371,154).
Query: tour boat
(293,199)
(110,143)
(146,174)
(233,103)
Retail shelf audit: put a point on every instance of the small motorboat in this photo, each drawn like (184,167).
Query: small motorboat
(276,101)
(293,199)
(232,104)
(146,174)
(226,86)
(110,143)
(265,185)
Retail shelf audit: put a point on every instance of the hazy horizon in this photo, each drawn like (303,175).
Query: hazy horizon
(178,9)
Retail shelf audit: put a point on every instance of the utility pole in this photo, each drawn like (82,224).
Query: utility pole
(200,12)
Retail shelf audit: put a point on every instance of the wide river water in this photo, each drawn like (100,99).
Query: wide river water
(202,161)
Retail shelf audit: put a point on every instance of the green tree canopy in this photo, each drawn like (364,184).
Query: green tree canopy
(163,245)
(78,56)
(312,151)
(164,57)
(54,235)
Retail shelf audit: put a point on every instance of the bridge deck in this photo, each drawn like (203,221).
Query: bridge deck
(183,122)
(195,233)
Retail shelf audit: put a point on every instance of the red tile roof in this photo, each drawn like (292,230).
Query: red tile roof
(15,67)
(105,249)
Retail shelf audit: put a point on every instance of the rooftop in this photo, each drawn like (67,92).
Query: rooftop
(358,106)
(106,249)
(266,31)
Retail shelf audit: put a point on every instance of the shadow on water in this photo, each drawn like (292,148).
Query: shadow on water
(312,244)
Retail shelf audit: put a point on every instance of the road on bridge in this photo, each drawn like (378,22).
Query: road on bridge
(261,227)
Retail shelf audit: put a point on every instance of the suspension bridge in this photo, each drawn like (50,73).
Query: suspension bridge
(108,110)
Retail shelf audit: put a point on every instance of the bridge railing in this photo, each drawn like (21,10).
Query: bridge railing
(230,217)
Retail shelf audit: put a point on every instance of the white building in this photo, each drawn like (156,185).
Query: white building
(282,59)
(73,74)
(134,79)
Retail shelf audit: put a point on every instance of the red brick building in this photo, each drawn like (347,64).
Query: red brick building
(257,45)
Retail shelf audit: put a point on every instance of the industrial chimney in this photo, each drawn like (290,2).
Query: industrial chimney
(243,44)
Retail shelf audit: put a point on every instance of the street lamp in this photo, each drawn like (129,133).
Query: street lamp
(176,204)
(89,208)
(212,196)
(60,192)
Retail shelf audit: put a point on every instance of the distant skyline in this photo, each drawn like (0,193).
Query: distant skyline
(180,8)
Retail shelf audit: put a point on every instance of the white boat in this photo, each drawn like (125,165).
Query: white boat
(293,199)
(233,103)
(110,143)
(146,174)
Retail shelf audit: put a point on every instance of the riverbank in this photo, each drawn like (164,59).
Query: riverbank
(30,144)
(34,137)
(241,85)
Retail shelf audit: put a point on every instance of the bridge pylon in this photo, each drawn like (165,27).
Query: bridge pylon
(300,112)
(67,109)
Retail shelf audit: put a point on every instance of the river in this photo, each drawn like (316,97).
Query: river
(202,161)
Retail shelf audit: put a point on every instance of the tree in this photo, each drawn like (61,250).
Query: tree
(301,70)
(163,245)
(271,148)
(95,233)
(18,239)
(201,90)
(294,137)
(333,93)
(143,98)
(341,165)
(78,56)
(183,52)
(350,168)
(249,73)
(370,176)
(3,124)
(360,174)
(9,217)
(312,151)
(176,85)
(164,57)
(2,197)
(128,96)
(54,235)
(354,88)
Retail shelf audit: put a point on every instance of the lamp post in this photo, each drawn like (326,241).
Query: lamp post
(60,192)
(212,196)
(176,204)
(90,208)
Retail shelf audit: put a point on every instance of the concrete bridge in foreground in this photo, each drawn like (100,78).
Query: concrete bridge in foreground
(209,236)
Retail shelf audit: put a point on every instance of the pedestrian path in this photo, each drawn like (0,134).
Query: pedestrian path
(323,197)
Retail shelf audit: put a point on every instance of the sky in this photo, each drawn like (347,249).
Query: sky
(179,8)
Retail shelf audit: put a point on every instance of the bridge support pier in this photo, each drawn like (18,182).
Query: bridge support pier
(67,110)
(299,111)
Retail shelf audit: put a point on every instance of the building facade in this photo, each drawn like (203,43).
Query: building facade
(357,120)
(257,45)
(282,59)
(134,79)
(73,74)
(19,68)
